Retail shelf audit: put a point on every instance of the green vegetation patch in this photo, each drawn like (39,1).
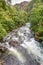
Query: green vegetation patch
(36,19)
(10,18)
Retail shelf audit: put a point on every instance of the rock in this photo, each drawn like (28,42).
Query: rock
(3,50)
(13,43)
(1,62)
(22,5)
(41,63)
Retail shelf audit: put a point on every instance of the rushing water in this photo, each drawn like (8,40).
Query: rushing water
(29,50)
(18,1)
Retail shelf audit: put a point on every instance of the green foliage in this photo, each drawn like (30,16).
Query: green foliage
(10,18)
(36,19)
(2,31)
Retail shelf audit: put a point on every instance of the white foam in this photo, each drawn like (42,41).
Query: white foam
(18,54)
(28,43)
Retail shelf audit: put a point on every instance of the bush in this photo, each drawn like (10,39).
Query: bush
(10,18)
(36,19)
(2,31)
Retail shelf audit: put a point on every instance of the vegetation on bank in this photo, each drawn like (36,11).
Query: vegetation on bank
(10,18)
(36,19)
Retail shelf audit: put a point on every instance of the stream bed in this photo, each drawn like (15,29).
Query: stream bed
(27,51)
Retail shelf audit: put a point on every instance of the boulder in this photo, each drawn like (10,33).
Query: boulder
(14,43)
(3,50)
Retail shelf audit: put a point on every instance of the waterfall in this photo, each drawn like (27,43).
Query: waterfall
(28,45)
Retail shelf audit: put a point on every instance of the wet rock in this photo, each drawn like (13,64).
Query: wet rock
(41,63)
(7,38)
(14,43)
(1,62)
(3,51)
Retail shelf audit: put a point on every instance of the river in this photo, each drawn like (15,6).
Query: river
(28,52)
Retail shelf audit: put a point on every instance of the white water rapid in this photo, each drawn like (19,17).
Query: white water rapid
(28,45)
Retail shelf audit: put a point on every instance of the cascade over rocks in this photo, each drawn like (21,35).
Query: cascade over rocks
(23,49)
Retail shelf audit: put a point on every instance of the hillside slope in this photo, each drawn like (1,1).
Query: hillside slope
(36,19)
(10,18)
